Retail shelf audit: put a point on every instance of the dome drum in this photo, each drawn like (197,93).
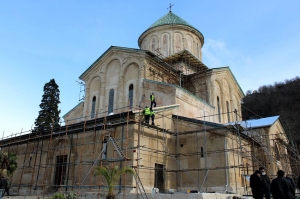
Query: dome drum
(171,34)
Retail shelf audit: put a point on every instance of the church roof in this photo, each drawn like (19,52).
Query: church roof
(262,122)
(170,19)
(257,123)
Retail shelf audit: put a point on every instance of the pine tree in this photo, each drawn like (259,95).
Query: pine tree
(49,113)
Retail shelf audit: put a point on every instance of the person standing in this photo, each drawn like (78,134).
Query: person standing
(298,182)
(3,185)
(152,100)
(290,180)
(6,189)
(281,188)
(147,114)
(256,185)
(152,115)
(265,182)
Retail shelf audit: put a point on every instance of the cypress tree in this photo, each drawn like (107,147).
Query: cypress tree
(49,113)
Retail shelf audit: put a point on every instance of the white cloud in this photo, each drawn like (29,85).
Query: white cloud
(258,68)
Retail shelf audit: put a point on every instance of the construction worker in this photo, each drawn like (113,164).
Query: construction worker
(147,114)
(152,115)
(152,100)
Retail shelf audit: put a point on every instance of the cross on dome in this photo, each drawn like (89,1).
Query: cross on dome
(170,7)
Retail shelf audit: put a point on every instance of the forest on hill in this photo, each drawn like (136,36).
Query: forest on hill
(282,99)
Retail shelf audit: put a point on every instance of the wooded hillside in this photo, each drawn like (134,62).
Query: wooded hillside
(279,99)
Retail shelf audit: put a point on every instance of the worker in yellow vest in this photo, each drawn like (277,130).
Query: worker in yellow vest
(147,114)
(152,100)
(152,115)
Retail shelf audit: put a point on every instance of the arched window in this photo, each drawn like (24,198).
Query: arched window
(201,152)
(131,95)
(219,111)
(228,114)
(93,107)
(111,101)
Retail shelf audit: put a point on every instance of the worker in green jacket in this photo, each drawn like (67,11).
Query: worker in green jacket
(152,115)
(152,100)
(147,114)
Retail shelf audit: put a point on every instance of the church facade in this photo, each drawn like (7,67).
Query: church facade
(199,141)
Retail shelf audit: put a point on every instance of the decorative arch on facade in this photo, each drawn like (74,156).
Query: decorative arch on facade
(165,44)
(112,80)
(55,145)
(131,77)
(227,99)
(145,45)
(129,67)
(154,44)
(189,43)
(178,42)
(198,49)
(59,147)
(225,88)
(218,100)
(94,84)
(114,60)
(93,91)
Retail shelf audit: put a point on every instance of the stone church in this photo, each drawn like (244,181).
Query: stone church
(199,141)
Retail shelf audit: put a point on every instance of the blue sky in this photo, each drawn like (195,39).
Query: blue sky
(41,40)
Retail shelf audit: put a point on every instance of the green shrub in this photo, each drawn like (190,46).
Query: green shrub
(59,196)
(72,196)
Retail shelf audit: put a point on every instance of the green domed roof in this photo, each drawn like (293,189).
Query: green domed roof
(170,19)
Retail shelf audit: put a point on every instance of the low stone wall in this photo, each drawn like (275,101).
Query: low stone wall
(93,195)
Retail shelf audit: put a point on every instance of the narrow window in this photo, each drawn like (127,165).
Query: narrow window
(131,95)
(29,162)
(228,114)
(104,149)
(93,107)
(219,111)
(201,152)
(277,154)
(198,51)
(111,101)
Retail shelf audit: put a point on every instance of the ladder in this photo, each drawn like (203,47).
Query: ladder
(120,152)
(140,185)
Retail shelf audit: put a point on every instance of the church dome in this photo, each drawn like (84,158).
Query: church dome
(171,34)
(171,19)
